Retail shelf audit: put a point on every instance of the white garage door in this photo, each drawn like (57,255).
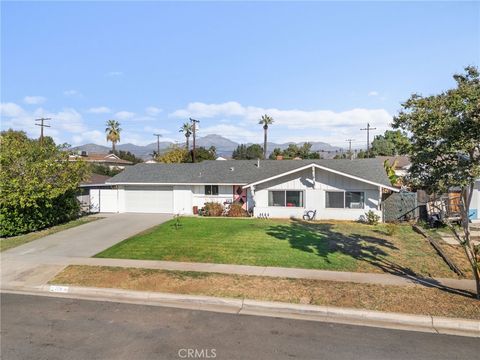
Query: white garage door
(108,200)
(149,199)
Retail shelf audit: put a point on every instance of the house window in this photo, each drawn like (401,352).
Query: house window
(347,199)
(334,199)
(211,189)
(285,198)
(354,200)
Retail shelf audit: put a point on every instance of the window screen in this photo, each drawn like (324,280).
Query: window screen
(295,198)
(334,199)
(354,200)
(276,198)
(211,189)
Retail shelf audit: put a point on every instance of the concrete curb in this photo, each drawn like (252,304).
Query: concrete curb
(422,323)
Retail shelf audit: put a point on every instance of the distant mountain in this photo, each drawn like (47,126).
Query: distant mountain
(92,148)
(223,145)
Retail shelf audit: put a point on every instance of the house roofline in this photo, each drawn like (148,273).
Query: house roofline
(176,183)
(322,168)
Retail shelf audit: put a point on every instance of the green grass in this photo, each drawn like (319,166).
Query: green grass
(14,241)
(344,246)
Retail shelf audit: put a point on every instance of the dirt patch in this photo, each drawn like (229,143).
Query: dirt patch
(412,299)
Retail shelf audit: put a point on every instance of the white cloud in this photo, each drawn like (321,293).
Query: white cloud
(114,73)
(316,125)
(153,111)
(34,100)
(10,110)
(69,120)
(72,93)
(124,115)
(203,110)
(93,136)
(99,110)
(373,93)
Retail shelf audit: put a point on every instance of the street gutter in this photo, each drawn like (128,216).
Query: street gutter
(422,323)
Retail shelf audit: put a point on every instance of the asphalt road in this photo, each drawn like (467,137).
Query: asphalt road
(36,327)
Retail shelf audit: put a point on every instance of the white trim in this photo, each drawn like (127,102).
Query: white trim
(176,183)
(322,168)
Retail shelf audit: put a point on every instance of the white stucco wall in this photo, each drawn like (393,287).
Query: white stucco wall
(182,200)
(314,196)
(225,193)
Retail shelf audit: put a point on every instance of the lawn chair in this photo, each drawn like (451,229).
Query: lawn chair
(310,215)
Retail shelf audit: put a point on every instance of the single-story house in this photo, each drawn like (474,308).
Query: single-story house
(335,189)
(402,163)
(112,161)
(89,192)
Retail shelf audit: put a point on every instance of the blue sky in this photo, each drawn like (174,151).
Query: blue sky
(321,69)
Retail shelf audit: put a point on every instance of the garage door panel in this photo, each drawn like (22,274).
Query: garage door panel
(149,199)
(108,200)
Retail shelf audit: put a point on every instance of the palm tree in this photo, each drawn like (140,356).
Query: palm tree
(113,132)
(187,131)
(265,121)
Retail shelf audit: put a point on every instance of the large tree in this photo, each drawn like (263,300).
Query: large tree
(265,120)
(445,147)
(244,152)
(187,130)
(113,131)
(392,142)
(37,182)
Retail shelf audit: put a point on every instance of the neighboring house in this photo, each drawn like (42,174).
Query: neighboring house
(402,164)
(89,192)
(336,189)
(475,205)
(111,161)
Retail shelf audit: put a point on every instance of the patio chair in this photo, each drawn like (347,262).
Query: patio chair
(310,215)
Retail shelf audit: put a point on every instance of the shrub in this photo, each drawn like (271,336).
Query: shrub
(391,229)
(38,184)
(213,209)
(371,218)
(236,210)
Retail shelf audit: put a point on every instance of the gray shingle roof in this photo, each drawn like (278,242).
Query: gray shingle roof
(243,172)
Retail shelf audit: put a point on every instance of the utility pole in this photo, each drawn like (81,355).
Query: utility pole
(194,129)
(42,125)
(368,128)
(350,147)
(158,143)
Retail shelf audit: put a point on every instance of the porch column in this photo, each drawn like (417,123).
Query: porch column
(313,176)
(380,193)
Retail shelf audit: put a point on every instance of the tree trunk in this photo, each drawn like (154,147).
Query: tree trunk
(468,246)
(113,147)
(187,142)
(265,128)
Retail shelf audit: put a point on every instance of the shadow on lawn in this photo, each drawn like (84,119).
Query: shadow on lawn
(324,240)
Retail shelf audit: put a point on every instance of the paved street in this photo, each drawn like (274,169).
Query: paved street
(35,327)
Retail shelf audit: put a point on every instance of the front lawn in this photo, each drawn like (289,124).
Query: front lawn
(343,246)
(14,241)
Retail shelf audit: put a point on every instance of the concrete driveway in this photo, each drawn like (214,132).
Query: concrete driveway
(38,260)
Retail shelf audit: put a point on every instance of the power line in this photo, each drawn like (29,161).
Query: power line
(194,129)
(42,125)
(368,129)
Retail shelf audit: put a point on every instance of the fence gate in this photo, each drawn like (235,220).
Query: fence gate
(400,206)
